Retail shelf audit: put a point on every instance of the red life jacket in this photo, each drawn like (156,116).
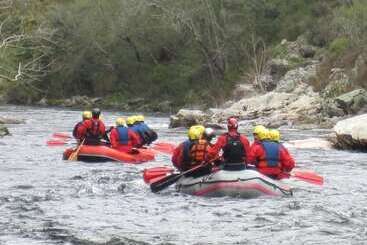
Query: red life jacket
(93,135)
(198,152)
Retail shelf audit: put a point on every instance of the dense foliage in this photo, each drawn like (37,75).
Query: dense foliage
(184,51)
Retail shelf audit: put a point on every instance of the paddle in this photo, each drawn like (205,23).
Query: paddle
(152,173)
(164,147)
(74,156)
(62,135)
(56,142)
(307,176)
(173,178)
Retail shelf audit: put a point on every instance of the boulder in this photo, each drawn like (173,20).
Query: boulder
(307,51)
(3,131)
(9,120)
(353,101)
(242,91)
(294,78)
(187,118)
(42,102)
(278,68)
(351,133)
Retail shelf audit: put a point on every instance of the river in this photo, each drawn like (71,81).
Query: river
(45,200)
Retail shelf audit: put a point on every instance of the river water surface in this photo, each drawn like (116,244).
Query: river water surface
(45,200)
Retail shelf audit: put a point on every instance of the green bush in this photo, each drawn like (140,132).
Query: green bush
(339,45)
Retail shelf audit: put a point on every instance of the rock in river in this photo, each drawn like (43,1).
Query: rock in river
(351,133)
(3,131)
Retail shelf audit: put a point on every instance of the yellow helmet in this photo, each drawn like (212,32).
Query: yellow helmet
(131,120)
(195,132)
(274,135)
(87,115)
(261,132)
(139,118)
(120,121)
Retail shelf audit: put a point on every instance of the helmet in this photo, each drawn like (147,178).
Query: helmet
(96,112)
(139,118)
(195,132)
(261,132)
(274,135)
(120,121)
(131,120)
(87,115)
(232,123)
(209,134)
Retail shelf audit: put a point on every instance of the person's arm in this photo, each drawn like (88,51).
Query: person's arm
(114,138)
(135,139)
(82,130)
(253,153)
(246,148)
(102,131)
(286,160)
(177,157)
(215,149)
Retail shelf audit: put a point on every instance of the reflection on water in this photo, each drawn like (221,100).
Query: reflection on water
(45,200)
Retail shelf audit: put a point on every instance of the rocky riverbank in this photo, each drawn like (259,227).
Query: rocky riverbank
(82,102)
(290,97)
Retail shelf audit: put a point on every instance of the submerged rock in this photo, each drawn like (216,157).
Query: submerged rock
(4,131)
(10,120)
(351,133)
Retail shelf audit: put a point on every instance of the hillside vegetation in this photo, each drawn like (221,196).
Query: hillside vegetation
(187,52)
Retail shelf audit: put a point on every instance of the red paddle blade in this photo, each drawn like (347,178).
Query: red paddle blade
(166,148)
(62,135)
(150,175)
(55,142)
(307,176)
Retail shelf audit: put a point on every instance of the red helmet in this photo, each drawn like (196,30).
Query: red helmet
(232,123)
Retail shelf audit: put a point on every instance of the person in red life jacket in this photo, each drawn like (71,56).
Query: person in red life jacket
(193,152)
(86,115)
(235,147)
(123,138)
(93,130)
(270,157)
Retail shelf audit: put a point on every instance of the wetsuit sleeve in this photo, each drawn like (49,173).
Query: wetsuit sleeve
(134,137)
(114,138)
(286,160)
(102,131)
(215,149)
(102,128)
(253,154)
(177,157)
(246,147)
(82,130)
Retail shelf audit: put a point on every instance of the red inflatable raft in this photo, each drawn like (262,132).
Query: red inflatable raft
(91,153)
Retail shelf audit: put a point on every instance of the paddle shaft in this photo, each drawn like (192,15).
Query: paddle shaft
(173,178)
(74,156)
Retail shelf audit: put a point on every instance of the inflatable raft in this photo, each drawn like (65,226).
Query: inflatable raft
(244,183)
(100,153)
